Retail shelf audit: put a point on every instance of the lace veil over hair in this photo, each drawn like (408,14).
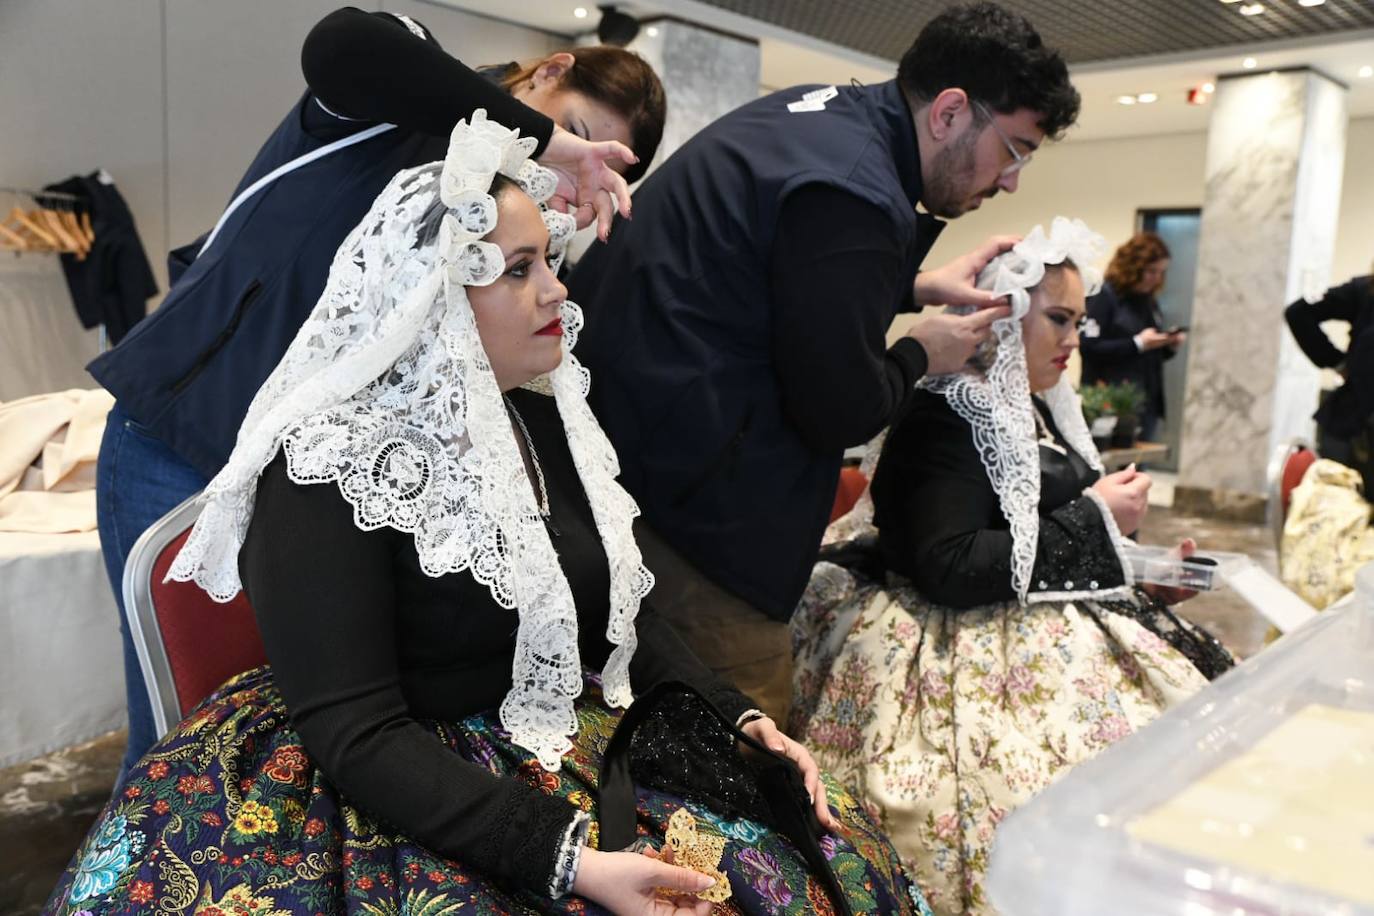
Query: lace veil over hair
(387,393)
(996,401)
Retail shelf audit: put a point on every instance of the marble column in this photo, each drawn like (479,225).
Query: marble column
(705,74)
(1275,153)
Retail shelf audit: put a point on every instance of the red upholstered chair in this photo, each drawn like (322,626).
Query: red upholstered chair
(852,483)
(188,644)
(1286,469)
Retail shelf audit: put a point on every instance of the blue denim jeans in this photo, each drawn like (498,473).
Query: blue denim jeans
(138,480)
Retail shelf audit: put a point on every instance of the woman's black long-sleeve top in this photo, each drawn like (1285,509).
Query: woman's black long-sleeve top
(940,522)
(365,647)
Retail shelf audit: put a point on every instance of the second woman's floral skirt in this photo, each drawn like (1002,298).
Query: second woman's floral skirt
(945,720)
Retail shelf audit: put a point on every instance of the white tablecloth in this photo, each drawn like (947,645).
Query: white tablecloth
(61,666)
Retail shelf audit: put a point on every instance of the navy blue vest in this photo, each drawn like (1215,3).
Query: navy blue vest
(190,369)
(678,333)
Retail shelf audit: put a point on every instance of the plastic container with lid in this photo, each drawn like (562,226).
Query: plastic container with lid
(1204,571)
(1256,796)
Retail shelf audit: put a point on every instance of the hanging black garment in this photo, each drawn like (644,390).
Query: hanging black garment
(112,284)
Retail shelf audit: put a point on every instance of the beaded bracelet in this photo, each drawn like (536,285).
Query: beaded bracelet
(569,855)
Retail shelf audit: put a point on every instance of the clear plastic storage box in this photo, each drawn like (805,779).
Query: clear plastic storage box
(1254,797)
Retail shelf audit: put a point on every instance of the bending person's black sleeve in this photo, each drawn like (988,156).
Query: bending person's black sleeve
(836,275)
(372,68)
(324,596)
(1304,319)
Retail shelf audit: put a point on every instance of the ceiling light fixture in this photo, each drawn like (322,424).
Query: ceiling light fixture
(1310,2)
(580,12)
(1366,72)
(653,31)
(1125,100)
(1249,63)
(1209,88)
(1230,1)
(1252,9)
(1146,98)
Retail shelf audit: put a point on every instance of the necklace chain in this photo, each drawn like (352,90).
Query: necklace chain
(534,459)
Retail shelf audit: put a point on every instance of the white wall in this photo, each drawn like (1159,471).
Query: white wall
(173,98)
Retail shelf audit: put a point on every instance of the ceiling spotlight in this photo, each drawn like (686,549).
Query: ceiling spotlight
(1310,2)
(1146,98)
(1209,88)
(653,31)
(1252,9)
(1125,100)
(616,28)
(580,12)
(1230,1)
(1366,72)
(1249,63)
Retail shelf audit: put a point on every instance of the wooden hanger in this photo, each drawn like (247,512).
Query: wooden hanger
(11,240)
(27,223)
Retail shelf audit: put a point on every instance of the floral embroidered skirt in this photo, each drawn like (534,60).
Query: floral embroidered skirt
(228,816)
(1328,535)
(943,721)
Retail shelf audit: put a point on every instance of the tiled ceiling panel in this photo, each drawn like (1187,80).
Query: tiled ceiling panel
(1083,30)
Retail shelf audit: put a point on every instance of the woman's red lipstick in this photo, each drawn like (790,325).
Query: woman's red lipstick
(552,329)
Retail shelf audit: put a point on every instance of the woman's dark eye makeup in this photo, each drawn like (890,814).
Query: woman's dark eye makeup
(1064,318)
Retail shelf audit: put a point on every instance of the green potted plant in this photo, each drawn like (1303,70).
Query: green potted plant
(1128,400)
(1099,412)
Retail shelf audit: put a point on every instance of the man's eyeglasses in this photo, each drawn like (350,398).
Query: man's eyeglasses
(1018,161)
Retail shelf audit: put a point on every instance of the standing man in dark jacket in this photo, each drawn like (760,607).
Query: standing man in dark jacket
(1345,418)
(735,329)
(1125,338)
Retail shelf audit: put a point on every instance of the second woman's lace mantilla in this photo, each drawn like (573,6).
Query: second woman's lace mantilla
(387,393)
(996,403)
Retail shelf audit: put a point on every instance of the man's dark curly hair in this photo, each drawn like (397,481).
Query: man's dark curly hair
(997,57)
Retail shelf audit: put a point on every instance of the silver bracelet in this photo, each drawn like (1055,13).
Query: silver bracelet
(569,855)
(749,715)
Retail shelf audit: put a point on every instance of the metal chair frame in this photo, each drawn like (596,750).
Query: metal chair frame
(142,614)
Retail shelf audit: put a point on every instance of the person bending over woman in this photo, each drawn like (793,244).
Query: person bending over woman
(425,516)
(991,637)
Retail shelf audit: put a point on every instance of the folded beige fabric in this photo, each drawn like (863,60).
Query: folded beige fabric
(48,449)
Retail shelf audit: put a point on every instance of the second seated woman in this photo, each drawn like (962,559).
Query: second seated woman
(991,637)
(424,514)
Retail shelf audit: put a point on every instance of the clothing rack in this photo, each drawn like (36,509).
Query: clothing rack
(51,222)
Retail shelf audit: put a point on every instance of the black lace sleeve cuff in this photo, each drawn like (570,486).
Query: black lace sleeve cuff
(530,839)
(1077,555)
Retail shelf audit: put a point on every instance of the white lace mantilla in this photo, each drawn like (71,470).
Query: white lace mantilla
(997,404)
(387,393)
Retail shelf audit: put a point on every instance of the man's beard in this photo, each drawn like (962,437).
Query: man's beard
(946,192)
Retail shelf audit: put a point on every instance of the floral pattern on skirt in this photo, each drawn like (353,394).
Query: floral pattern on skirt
(1327,535)
(228,816)
(943,720)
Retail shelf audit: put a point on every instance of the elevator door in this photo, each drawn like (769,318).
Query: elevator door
(1179,230)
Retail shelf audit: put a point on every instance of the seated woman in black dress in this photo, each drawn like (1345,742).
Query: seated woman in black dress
(425,516)
(1010,643)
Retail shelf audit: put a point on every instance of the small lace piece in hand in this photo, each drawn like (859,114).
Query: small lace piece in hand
(701,852)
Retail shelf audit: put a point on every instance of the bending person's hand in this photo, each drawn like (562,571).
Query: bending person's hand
(629,883)
(586,179)
(953,284)
(950,340)
(765,732)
